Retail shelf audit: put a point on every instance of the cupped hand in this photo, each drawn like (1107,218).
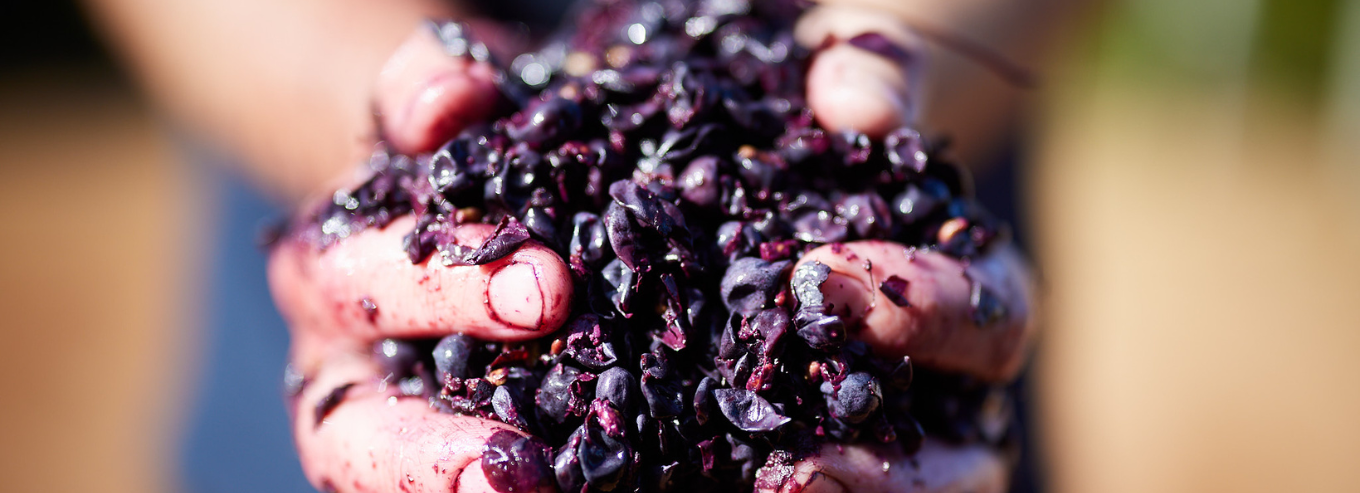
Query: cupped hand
(353,431)
(356,434)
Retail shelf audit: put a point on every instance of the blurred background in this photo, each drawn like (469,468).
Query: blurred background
(1186,176)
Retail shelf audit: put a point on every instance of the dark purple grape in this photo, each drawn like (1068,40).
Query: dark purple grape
(855,398)
(590,343)
(617,386)
(751,283)
(623,236)
(867,213)
(920,199)
(664,396)
(604,452)
(589,241)
(823,332)
(855,146)
(453,356)
(540,224)
(449,172)
(738,239)
(567,464)
(803,143)
(699,182)
(820,227)
(705,404)
(748,411)
(622,285)
(515,464)
(906,150)
(480,392)
(396,358)
(744,456)
(506,403)
(648,210)
(899,377)
(688,95)
(769,327)
(556,397)
(547,122)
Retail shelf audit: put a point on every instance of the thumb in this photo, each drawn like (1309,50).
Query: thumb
(865,75)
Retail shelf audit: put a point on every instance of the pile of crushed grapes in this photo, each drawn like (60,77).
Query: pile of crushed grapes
(666,152)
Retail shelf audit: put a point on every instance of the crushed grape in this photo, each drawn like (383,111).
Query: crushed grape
(666,153)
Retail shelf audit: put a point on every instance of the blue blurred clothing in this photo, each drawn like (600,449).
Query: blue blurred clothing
(238,437)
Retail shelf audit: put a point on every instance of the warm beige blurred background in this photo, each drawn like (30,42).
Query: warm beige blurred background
(1192,179)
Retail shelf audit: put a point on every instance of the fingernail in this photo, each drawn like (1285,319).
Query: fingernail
(857,89)
(514,296)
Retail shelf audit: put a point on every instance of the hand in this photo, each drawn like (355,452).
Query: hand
(938,331)
(370,440)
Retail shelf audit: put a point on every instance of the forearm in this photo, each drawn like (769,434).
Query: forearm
(285,84)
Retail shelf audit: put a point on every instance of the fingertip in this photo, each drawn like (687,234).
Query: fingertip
(850,89)
(516,296)
(424,97)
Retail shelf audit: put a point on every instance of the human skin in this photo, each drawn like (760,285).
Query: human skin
(301,103)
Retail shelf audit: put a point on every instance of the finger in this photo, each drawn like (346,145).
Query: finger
(365,288)
(365,438)
(852,87)
(424,96)
(936,468)
(938,326)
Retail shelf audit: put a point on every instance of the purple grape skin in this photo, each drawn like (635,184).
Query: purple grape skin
(820,227)
(895,289)
(855,398)
(664,397)
(507,238)
(622,282)
(588,239)
(623,236)
(769,326)
(589,343)
(867,213)
(617,386)
(699,182)
(751,283)
(396,358)
(918,201)
(906,150)
(567,464)
(604,451)
(452,356)
(554,396)
(748,411)
(705,404)
(547,122)
(506,406)
(517,464)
